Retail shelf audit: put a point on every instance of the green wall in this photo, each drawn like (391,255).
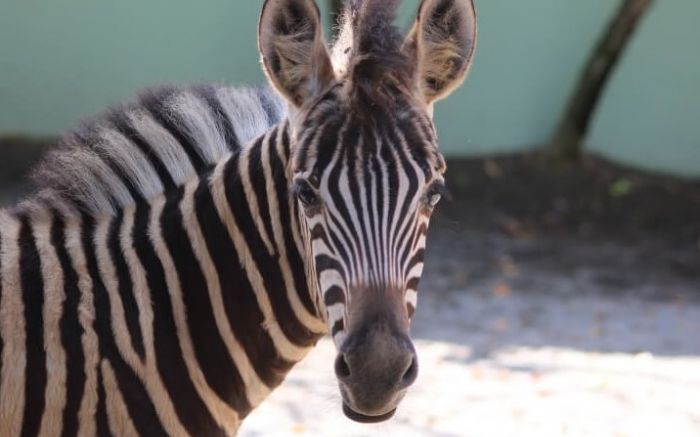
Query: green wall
(64,59)
(650,116)
(61,60)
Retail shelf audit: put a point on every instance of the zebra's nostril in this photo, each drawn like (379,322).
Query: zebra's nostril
(409,377)
(342,370)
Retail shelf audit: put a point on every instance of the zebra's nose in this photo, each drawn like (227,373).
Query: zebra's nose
(374,371)
(343,373)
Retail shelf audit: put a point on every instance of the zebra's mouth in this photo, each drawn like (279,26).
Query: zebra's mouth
(362,418)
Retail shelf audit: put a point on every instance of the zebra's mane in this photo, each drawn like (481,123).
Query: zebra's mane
(164,138)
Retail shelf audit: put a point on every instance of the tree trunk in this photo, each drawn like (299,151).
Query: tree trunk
(567,141)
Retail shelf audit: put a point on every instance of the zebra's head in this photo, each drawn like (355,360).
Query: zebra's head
(366,171)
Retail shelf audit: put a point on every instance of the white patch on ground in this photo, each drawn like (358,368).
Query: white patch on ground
(506,364)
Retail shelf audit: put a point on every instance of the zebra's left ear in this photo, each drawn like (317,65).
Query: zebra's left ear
(294,55)
(442,41)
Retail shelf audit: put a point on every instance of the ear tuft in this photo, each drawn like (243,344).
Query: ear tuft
(443,40)
(294,55)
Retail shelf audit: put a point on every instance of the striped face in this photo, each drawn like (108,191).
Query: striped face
(366,187)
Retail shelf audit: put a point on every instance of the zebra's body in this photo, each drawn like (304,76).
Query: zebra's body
(171,316)
(185,251)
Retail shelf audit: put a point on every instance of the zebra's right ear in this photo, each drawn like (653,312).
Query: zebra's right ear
(294,55)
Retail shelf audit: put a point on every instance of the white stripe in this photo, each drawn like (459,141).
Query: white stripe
(12,329)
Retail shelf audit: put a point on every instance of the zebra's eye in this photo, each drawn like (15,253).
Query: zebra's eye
(305,193)
(435,193)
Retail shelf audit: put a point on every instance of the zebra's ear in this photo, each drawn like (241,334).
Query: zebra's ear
(294,55)
(442,40)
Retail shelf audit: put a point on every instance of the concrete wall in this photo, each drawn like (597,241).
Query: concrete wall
(64,59)
(650,116)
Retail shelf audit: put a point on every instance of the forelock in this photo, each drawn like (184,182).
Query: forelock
(380,72)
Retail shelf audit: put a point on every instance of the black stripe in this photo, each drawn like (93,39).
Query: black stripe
(340,204)
(416,259)
(268,266)
(417,146)
(394,181)
(126,286)
(122,124)
(156,104)
(240,303)
(410,245)
(334,295)
(101,414)
(265,95)
(188,405)
(337,327)
(209,96)
(325,262)
(33,298)
(71,331)
(286,146)
(258,182)
(406,243)
(136,399)
(209,348)
(327,145)
(412,283)
(410,309)
(369,177)
(382,234)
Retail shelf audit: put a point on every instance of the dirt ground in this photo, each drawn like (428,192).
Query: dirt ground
(556,300)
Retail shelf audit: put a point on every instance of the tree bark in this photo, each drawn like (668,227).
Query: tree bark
(566,143)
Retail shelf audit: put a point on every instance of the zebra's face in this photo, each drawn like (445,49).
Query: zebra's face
(365,172)
(366,187)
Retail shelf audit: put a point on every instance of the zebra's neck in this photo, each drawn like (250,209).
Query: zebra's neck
(193,306)
(230,246)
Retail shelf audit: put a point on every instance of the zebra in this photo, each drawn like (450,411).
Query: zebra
(183,251)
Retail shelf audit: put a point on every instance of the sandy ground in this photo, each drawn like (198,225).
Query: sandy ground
(505,364)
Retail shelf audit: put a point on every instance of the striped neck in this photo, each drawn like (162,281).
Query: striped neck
(196,302)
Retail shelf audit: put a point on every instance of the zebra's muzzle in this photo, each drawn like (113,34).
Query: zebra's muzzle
(362,418)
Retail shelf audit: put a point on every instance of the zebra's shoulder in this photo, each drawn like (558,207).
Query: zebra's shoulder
(163,138)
